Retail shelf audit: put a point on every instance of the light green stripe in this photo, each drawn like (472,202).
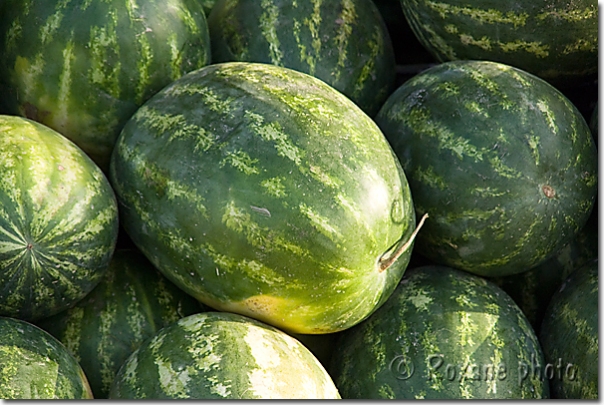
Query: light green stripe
(489,16)
(268,27)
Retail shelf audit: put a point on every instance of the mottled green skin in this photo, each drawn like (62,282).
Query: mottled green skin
(261,190)
(131,303)
(344,43)
(219,355)
(556,40)
(58,221)
(570,332)
(35,365)
(532,290)
(443,334)
(84,67)
(503,163)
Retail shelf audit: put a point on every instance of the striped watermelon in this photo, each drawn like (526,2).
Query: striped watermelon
(443,334)
(35,365)
(504,164)
(219,355)
(342,42)
(532,290)
(131,303)
(556,40)
(84,67)
(263,191)
(58,221)
(569,335)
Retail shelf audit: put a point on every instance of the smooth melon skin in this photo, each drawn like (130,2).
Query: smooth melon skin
(219,355)
(570,335)
(443,334)
(263,191)
(343,42)
(35,365)
(84,67)
(533,290)
(132,303)
(556,40)
(58,221)
(504,164)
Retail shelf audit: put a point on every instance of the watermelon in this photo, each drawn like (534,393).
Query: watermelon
(569,335)
(443,334)
(532,290)
(84,67)
(58,221)
(556,40)
(502,161)
(207,6)
(35,365)
(344,43)
(219,355)
(131,303)
(263,191)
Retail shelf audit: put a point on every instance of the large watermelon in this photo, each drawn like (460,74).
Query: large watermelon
(35,365)
(131,303)
(570,336)
(443,334)
(262,190)
(342,42)
(219,355)
(556,40)
(58,221)
(503,163)
(82,67)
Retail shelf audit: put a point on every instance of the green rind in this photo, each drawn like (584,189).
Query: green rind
(556,40)
(83,68)
(344,43)
(443,334)
(296,179)
(218,355)
(570,335)
(35,365)
(58,221)
(502,162)
(533,290)
(131,304)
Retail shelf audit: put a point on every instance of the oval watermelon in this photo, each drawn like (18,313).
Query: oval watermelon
(344,43)
(263,191)
(219,355)
(503,162)
(556,40)
(132,303)
(83,68)
(58,221)
(570,335)
(35,365)
(443,334)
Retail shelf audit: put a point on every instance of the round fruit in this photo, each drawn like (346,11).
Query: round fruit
(131,303)
(83,68)
(443,334)
(216,355)
(263,191)
(503,163)
(58,221)
(344,43)
(35,365)
(556,40)
(569,335)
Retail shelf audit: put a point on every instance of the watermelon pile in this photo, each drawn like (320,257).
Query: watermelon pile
(309,199)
